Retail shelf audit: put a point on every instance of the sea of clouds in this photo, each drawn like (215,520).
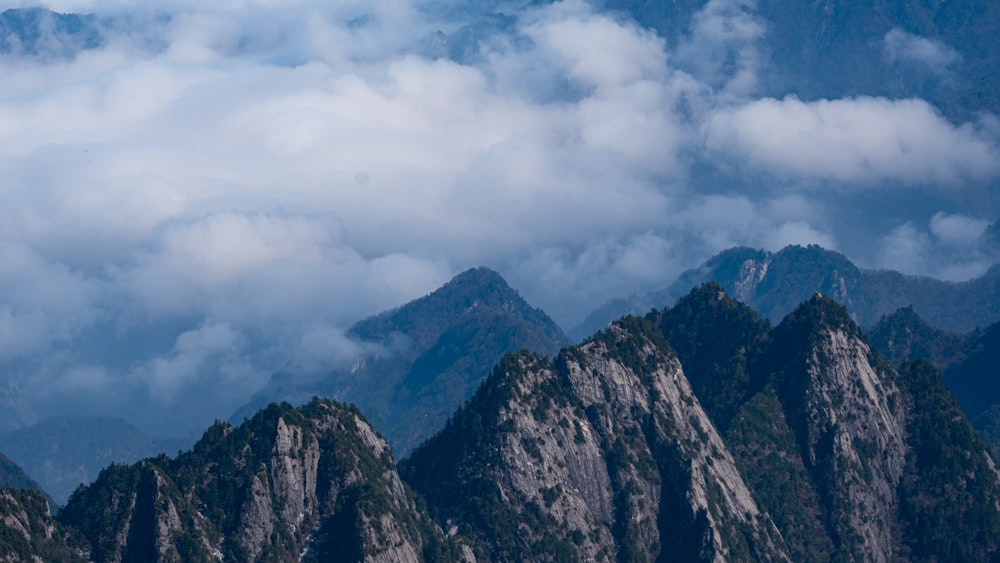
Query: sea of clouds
(217,190)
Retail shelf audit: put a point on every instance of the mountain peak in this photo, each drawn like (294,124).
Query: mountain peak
(428,356)
(475,287)
(599,456)
(314,483)
(715,337)
(481,276)
(822,312)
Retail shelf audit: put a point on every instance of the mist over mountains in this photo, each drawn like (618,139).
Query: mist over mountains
(196,197)
(791,443)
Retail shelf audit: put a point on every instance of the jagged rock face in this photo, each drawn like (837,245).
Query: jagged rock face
(315,484)
(604,455)
(27,532)
(679,438)
(846,409)
(751,273)
(849,411)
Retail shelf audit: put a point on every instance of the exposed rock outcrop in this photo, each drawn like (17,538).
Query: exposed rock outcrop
(309,484)
(28,533)
(603,455)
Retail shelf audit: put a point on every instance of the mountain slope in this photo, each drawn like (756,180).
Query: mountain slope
(28,533)
(13,477)
(430,355)
(950,490)
(873,464)
(828,453)
(973,377)
(904,336)
(604,454)
(717,339)
(308,484)
(843,405)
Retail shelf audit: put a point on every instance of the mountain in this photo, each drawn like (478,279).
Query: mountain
(717,339)
(428,356)
(973,377)
(903,336)
(66,451)
(13,477)
(46,34)
(604,454)
(773,283)
(806,45)
(968,362)
(879,450)
(309,484)
(28,533)
(826,453)
(820,451)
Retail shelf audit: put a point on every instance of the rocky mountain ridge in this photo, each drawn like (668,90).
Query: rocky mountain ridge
(591,455)
(774,283)
(609,451)
(308,484)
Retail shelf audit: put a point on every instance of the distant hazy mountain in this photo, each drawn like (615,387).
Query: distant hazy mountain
(807,44)
(773,283)
(904,336)
(13,477)
(43,33)
(64,452)
(429,356)
(944,52)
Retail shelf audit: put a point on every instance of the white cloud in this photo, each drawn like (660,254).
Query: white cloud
(723,48)
(904,249)
(855,141)
(796,232)
(948,249)
(898,46)
(957,230)
(221,189)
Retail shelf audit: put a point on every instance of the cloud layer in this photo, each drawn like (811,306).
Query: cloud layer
(218,191)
